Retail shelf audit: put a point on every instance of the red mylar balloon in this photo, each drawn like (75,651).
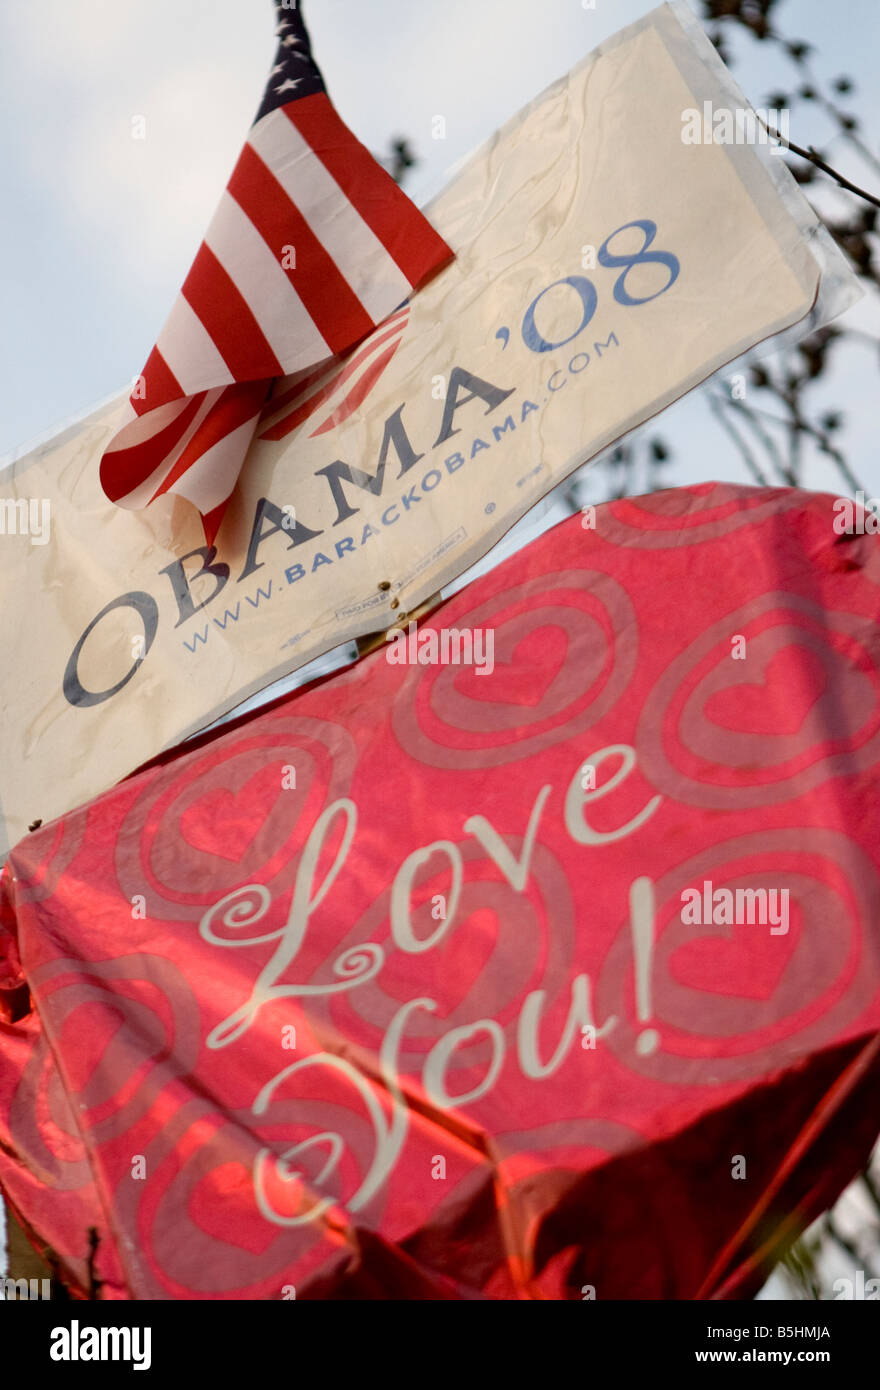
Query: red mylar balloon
(549,973)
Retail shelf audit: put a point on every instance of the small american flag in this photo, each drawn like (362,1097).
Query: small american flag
(312,247)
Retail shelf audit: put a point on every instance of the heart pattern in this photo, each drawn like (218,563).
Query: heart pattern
(524,676)
(226,823)
(794,680)
(215,1200)
(731,960)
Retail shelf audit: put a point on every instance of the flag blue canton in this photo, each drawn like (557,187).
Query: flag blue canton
(295,73)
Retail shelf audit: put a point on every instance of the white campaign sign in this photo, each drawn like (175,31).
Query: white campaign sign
(604,266)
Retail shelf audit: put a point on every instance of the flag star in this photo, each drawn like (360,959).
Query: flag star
(288,85)
(279,67)
(290,41)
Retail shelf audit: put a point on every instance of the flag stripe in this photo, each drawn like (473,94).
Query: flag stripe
(157,465)
(297,388)
(284,320)
(190,353)
(142,428)
(235,406)
(303,382)
(125,469)
(210,478)
(143,494)
(223,311)
(212,520)
(160,385)
(396,222)
(302,412)
(332,304)
(296,163)
(343,372)
(357,393)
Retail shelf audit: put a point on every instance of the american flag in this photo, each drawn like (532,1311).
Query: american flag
(313,247)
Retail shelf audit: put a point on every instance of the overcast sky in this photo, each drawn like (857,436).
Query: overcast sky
(99,229)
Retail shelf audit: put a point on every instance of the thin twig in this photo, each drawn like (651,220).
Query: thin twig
(716,408)
(751,414)
(848,1246)
(837,115)
(798,422)
(814,158)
